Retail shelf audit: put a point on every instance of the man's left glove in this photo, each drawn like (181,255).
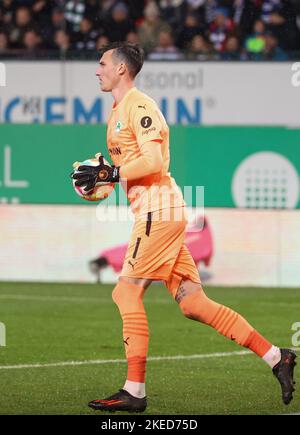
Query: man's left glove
(91,175)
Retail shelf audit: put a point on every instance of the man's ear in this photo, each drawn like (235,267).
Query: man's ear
(122,68)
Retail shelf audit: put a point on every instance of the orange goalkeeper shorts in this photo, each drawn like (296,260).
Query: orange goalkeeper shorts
(157,251)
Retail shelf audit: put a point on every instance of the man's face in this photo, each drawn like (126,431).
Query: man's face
(108,72)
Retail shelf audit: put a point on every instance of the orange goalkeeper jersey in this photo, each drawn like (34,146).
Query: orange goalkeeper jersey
(133,122)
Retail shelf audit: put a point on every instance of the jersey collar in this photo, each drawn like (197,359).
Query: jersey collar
(116,106)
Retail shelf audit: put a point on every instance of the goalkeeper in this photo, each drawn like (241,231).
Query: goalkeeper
(138,143)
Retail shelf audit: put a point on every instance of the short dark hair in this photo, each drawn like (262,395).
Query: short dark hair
(132,54)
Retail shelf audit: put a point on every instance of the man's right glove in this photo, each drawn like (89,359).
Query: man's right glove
(91,175)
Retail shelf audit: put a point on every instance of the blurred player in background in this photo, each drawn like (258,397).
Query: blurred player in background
(138,143)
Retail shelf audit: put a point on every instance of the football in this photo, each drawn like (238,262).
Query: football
(101,191)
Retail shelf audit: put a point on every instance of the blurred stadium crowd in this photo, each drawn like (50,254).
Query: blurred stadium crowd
(167,29)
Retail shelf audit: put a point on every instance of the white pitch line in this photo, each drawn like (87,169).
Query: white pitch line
(115,361)
(38,298)
(105,300)
(50,298)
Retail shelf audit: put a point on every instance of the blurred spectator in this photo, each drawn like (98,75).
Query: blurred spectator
(280,17)
(23,22)
(244,14)
(231,49)
(7,9)
(102,41)
(31,40)
(3,42)
(255,43)
(41,11)
(57,22)
(132,38)
(57,19)
(172,11)
(74,11)
(86,38)
(62,40)
(198,7)
(106,7)
(117,27)
(165,50)
(210,10)
(221,28)
(225,25)
(190,28)
(272,50)
(270,7)
(200,49)
(151,27)
(31,43)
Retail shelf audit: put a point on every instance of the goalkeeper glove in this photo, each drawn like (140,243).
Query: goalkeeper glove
(91,175)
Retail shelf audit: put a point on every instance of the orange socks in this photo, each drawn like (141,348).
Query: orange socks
(197,306)
(258,344)
(128,298)
(226,321)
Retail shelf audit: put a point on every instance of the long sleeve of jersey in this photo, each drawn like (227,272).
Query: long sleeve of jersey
(149,162)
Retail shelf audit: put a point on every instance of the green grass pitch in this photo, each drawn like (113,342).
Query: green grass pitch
(53,323)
